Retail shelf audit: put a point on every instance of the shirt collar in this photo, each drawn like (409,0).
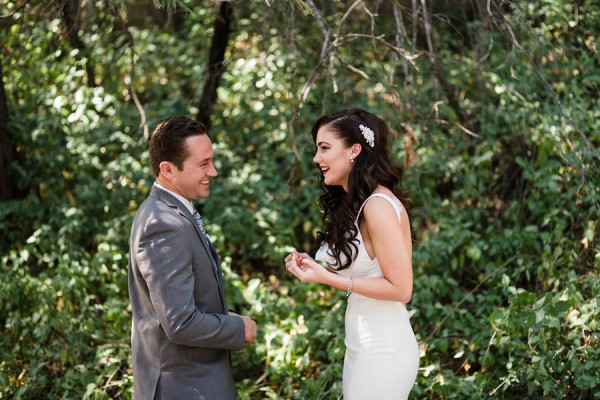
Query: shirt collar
(188,204)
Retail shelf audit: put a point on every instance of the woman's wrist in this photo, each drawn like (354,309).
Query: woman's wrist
(350,284)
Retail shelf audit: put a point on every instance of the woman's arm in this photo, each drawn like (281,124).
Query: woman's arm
(390,242)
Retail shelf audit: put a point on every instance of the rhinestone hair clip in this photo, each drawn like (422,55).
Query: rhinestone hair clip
(368,135)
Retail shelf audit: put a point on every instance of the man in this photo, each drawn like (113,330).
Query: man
(182,333)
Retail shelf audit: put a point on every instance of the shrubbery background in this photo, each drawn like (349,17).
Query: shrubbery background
(496,111)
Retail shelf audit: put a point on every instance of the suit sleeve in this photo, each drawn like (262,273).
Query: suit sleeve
(164,259)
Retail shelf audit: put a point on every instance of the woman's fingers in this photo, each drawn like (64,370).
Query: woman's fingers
(291,261)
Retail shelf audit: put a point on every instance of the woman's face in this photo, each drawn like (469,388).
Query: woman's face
(333,157)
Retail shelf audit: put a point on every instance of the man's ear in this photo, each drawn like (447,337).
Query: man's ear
(167,169)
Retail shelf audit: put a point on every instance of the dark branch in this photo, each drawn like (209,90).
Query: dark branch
(70,16)
(6,150)
(216,64)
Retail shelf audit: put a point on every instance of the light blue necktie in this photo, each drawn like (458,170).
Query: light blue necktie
(198,219)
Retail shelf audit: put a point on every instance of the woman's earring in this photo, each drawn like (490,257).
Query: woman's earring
(351,159)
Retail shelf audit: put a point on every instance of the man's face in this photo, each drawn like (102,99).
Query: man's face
(193,181)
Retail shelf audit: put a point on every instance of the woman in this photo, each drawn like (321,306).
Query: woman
(366,246)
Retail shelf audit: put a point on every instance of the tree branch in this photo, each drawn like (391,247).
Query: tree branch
(70,15)
(132,92)
(440,74)
(6,150)
(325,49)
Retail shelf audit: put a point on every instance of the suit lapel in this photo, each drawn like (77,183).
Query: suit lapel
(219,274)
(210,250)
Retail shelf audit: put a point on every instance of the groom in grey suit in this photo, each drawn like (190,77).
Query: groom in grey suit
(182,333)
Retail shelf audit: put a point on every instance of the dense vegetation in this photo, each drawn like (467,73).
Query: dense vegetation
(495,105)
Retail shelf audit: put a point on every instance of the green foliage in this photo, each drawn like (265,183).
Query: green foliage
(505,223)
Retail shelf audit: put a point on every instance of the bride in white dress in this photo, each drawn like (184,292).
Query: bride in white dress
(366,246)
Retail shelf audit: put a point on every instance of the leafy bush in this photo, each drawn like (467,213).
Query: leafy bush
(505,222)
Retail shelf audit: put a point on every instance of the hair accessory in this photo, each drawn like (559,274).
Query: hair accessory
(368,135)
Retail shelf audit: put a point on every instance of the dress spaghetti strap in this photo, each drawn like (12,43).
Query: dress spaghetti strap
(383,196)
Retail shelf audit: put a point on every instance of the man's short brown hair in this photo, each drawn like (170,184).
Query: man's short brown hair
(168,141)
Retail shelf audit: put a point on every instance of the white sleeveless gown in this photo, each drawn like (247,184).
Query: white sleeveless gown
(382,354)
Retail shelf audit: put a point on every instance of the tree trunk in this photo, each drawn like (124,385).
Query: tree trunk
(6,150)
(214,70)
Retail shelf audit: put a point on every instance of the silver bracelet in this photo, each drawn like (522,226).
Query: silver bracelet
(350,283)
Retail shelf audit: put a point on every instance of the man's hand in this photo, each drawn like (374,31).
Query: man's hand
(250,329)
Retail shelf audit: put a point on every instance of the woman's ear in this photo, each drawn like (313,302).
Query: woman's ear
(355,150)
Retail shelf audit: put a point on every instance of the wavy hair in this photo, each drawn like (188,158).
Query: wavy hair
(372,167)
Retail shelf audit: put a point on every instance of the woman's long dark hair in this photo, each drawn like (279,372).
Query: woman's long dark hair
(372,167)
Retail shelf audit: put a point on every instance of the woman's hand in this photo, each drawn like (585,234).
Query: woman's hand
(303,267)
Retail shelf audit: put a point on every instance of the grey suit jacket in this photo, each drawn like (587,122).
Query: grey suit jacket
(181,333)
